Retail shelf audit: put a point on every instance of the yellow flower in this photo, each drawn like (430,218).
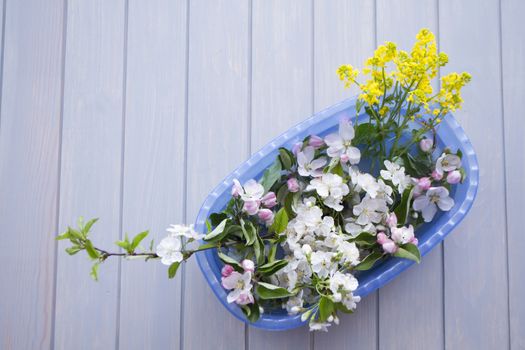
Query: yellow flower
(348,74)
(449,97)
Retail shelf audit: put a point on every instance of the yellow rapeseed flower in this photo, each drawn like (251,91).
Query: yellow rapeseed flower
(348,74)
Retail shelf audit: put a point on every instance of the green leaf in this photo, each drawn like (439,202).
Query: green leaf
(137,239)
(258,248)
(271,252)
(286,158)
(409,251)
(123,244)
(363,133)
(280,221)
(270,268)
(403,208)
(172,270)
(269,291)
(217,218)
(249,232)
(93,254)
(62,236)
(369,261)
(94,271)
(216,231)
(282,193)
(208,226)
(251,311)
(75,234)
(73,250)
(206,246)
(88,225)
(326,308)
(230,261)
(271,175)
(365,238)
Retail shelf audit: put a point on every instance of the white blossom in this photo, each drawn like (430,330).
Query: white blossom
(307,165)
(169,249)
(331,188)
(340,144)
(396,173)
(435,197)
(447,162)
(240,286)
(370,210)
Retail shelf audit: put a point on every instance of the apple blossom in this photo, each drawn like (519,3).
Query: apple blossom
(454,177)
(307,165)
(447,162)
(315,141)
(426,145)
(269,200)
(169,250)
(227,270)
(341,143)
(248,265)
(240,286)
(293,185)
(435,197)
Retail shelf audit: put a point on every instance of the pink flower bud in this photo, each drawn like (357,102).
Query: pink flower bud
(391,220)
(382,238)
(248,265)
(426,145)
(251,207)
(414,241)
(390,247)
(315,141)
(437,175)
(245,298)
(266,215)
(226,270)
(237,188)
(344,158)
(297,148)
(424,183)
(454,177)
(293,184)
(269,200)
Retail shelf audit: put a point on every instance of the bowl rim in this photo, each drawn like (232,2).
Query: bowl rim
(374,279)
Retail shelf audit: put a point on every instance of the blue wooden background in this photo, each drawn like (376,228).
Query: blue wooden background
(132,110)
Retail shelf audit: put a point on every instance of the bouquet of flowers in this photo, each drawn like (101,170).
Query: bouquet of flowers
(332,206)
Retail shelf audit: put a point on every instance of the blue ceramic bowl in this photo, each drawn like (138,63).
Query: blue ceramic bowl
(323,123)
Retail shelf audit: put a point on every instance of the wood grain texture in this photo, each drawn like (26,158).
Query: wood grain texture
(29,158)
(421,287)
(150,309)
(476,308)
(282,79)
(87,312)
(217,143)
(513,63)
(344,33)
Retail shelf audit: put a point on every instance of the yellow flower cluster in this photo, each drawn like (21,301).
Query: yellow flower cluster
(348,74)
(413,73)
(449,97)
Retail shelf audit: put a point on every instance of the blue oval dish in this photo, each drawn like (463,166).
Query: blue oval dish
(322,123)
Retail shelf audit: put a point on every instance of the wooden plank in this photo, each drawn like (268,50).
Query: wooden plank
(282,79)
(344,33)
(153,167)
(29,158)
(476,304)
(411,292)
(87,312)
(217,143)
(513,50)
